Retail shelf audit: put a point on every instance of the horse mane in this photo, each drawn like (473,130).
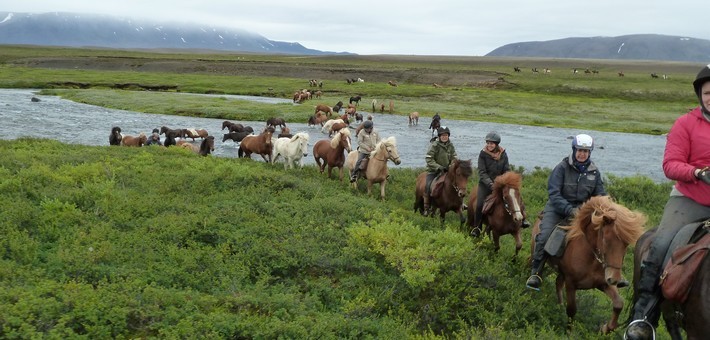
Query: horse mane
(336,138)
(465,166)
(388,141)
(509,178)
(628,225)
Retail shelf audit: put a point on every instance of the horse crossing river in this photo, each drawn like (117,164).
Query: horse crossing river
(621,154)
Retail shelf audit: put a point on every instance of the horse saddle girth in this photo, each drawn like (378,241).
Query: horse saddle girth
(437,186)
(488,204)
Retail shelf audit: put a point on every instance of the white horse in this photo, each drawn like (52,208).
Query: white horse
(292,149)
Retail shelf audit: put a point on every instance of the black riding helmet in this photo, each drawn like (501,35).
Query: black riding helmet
(443,130)
(702,77)
(368,124)
(493,137)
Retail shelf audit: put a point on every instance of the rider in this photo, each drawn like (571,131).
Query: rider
(686,161)
(440,155)
(154,138)
(492,162)
(367,139)
(572,182)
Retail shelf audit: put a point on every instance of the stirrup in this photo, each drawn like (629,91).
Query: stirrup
(476,231)
(644,321)
(539,279)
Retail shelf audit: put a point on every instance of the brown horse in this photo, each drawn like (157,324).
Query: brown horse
(170,135)
(260,144)
(376,171)
(332,152)
(505,216)
(136,141)
(414,118)
(596,243)
(694,313)
(274,122)
(327,110)
(194,133)
(232,127)
(115,137)
(235,136)
(206,146)
(435,124)
(451,198)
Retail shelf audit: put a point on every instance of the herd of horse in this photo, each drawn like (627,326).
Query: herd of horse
(596,240)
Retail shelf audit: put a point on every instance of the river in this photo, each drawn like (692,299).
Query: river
(621,154)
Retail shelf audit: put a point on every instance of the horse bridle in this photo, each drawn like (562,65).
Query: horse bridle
(598,255)
(507,207)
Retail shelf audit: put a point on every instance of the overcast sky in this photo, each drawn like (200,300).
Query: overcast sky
(416,27)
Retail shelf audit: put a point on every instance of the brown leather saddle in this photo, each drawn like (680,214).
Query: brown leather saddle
(437,186)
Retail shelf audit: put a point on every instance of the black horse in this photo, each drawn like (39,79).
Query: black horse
(355,99)
(115,137)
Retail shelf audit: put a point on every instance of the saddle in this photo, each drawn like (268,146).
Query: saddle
(437,186)
(683,261)
(488,204)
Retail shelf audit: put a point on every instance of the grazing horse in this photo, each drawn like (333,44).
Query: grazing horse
(392,83)
(376,171)
(235,136)
(414,118)
(332,152)
(137,141)
(194,133)
(505,215)
(694,313)
(115,137)
(206,146)
(292,149)
(260,144)
(593,258)
(355,99)
(452,194)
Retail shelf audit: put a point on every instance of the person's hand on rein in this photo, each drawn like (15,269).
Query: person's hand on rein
(704,175)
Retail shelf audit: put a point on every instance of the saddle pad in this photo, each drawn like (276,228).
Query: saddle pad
(555,245)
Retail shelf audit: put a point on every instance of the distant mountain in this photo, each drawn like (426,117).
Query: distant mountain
(638,46)
(80,30)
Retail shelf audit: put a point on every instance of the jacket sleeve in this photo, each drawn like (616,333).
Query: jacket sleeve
(452,154)
(599,189)
(483,171)
(504,159)
(677,152)
(554,191)
(430,158)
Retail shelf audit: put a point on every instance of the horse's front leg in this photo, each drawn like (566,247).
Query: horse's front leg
(462,217)
(617,304)
(571,304)
(518,242)
(382,189)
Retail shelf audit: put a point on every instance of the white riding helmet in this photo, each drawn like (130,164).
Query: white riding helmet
(583,142)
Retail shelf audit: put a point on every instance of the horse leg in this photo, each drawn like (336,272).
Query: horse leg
(617,304)
(571,304)
(382,189)
(496,242)
(518,242)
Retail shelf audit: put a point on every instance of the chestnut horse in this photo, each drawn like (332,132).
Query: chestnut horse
(414,118)
(115,137)
(593,258)
(327,110)
(137,141)
(206,146)
(376,171)
(332,152)
(694,313)
(260,144)
(505,216)
(451,198)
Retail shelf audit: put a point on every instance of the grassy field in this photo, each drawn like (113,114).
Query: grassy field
(470,88)
(111,242)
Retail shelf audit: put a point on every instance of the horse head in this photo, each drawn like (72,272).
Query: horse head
(342,139)
(507,187)
(268,133)
(302,138)
(458,174)
(389,146)
(609,228)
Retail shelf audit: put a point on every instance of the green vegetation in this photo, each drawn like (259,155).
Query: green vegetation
(110,242)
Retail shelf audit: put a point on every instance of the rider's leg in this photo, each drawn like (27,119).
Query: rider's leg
(549,221)
(427,193)
(481,195)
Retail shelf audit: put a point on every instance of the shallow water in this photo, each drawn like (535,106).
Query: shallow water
(621,154)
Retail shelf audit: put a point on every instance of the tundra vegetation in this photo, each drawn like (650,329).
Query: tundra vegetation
(110,242)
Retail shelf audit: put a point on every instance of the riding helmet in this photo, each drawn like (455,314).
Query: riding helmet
(443,130)
(701,78)
(368,124)
(583,142)
(493,137)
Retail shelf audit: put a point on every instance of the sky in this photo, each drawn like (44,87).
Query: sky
(413,27)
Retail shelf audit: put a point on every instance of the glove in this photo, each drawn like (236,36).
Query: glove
(574,212)
(704,175)
(490,186)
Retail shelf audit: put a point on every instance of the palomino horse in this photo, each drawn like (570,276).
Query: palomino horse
(452,194)
(206,146)
(332,152)
(376,171)
(260,144)
(505,216)
(596,243)
(115,137)
(414,118)
(694,313)
(134,140)
(194,133)
(292,149)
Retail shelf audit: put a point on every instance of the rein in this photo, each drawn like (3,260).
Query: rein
(598,255)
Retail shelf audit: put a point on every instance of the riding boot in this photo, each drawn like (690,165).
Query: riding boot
(645,316)
(535,278)
(426,205)
(355,175)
